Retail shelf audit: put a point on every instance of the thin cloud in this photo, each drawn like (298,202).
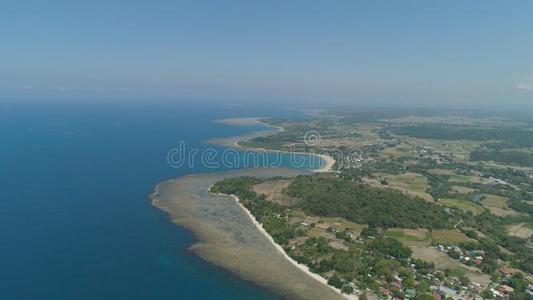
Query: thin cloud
(525,85)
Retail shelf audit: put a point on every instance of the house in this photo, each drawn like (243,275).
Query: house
(397,285)
(386,292)
(496,293)
(529,289)
(410,293)
(448,292)
(505,272)
(505,289)
(324,226)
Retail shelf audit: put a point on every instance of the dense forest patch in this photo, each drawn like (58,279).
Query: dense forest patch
(337,197)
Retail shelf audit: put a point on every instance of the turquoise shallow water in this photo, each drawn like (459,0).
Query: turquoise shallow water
(76,221)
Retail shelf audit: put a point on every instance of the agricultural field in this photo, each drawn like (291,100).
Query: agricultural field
(399,151)
(462,189)
(463,205)
(409,237)
(316,232)
(448,236)
(442,172)
(422,237)
(465,179)
(444,262)
(521,230)
(425,157)
(273,190)
(409,183)
(432,254)
(457,149)
(322,226)
(342,224)
(497,205)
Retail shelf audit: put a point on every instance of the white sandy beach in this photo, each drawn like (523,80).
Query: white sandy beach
(302,267)
(329,162)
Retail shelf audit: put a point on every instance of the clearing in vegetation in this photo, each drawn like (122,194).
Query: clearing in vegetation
(465,179)
(409,237)
(397,152)
(520,230)
(463,189)
(412,184)
(431,254)
(273,190)
(497,205)
(449,236)
(463,205)
(442,172)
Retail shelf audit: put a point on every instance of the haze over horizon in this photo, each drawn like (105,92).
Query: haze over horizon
(446,53)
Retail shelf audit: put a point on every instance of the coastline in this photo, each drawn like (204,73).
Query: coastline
(233,141)
(220,240)
(228,238)
(302,267)
(327,166)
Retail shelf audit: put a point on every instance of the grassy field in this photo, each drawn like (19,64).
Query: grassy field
(458,149)
(319,232)
(520,230)
(443,262)
(448,236)
(462,189)
(497,205)
(410,183)
(463,205)
(442,172)
(409,237)
(273,190)
(397,151)
(339,224)
(431,254)
(465,179)
(342,224)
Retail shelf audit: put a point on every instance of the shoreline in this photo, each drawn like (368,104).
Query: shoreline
(329,161)
(302,267)
(184,213)
(227,237)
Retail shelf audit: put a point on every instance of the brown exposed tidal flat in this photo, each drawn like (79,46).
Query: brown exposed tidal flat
(228,238)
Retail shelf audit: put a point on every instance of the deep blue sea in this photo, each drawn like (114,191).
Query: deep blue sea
(75,220)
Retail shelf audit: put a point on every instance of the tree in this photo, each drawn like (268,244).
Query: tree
(335,281)
(487,294)
(346,289)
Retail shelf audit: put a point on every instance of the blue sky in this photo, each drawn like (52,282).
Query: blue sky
(420,52)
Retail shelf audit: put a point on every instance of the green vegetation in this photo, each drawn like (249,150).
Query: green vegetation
(337,197)
(511,135)
(463,204)
(445,186)
(376,257)
(514,157)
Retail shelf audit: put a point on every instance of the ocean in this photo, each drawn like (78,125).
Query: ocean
(75,218)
